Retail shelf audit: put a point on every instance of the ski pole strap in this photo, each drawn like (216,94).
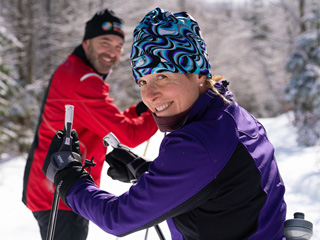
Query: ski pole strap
(58,161)
(135,165)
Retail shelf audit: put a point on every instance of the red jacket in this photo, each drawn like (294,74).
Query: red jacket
(76,83)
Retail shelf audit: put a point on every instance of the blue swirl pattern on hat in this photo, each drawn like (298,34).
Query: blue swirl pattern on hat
(167,42)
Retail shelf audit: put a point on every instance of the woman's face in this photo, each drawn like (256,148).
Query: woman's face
(168,94)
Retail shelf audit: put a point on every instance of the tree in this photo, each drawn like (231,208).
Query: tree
(303,90)
(248,43)
(9,87)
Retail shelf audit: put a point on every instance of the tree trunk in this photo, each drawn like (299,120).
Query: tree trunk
(301,15)
(31,38)
(20,35)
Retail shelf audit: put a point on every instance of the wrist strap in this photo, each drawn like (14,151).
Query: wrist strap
(58,161)
(135,165)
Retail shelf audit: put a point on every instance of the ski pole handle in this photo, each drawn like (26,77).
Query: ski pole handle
(68,121)
(111,140)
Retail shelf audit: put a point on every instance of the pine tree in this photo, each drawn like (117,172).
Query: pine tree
(9,87)
(303,90)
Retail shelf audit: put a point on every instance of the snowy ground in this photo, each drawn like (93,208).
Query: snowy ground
(300,169)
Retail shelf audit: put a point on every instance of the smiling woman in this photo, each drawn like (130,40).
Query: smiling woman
(168,94)
(214,169)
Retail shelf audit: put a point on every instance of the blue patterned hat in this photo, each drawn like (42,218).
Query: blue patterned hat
(168,42)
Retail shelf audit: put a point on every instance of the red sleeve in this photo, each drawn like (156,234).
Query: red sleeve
(131,112)
(97,111)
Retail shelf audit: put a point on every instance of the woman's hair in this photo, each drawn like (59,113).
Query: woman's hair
(210,82)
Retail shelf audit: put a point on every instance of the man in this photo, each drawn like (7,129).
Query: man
(81,81)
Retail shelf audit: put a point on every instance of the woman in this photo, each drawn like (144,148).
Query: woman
(215,176)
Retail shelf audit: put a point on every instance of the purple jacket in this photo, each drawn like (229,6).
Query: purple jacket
(214,178)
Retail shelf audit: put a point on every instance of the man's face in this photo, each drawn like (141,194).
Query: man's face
(103,52)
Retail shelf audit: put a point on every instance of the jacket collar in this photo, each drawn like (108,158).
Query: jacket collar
(79,52)
(205,101)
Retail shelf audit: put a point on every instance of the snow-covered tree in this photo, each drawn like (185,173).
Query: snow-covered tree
(9,87)
(248,43)
(303,90)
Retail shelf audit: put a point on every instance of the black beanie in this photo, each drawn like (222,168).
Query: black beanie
(103,22)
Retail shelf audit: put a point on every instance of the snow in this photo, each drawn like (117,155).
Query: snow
(299,167)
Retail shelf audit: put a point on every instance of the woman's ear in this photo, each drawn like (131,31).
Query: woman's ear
(201,79)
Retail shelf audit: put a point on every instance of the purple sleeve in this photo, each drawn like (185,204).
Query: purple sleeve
(184,166)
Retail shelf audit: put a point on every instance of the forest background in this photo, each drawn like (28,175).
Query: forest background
(269,50)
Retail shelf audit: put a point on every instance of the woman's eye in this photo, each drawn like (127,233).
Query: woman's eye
(161,77)
(141,83)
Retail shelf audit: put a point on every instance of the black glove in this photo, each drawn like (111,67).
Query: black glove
(62,164)
(125,166)
(141,108)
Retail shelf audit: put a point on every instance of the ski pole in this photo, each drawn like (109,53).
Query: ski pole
(145,150)
(112,140)
(159,232)
(144,154)
(53,216)
(66,145)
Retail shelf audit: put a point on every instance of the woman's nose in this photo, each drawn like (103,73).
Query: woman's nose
(152,92)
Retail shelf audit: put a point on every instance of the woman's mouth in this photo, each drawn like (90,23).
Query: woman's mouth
(163,107)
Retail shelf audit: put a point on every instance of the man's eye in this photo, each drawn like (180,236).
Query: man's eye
(119,48)
(106,44)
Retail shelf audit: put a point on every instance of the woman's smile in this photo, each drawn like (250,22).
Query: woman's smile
(168,94)
(163,107)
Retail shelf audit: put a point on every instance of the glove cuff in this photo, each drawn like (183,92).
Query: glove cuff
(68,176)
(138,166)
(58,161)
(142,169)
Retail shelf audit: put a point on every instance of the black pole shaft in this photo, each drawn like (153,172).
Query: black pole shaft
(53,215)
(146,235)
(160,234)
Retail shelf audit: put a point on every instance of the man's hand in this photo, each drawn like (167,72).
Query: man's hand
(63,165)
(125,166)
(141,108)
